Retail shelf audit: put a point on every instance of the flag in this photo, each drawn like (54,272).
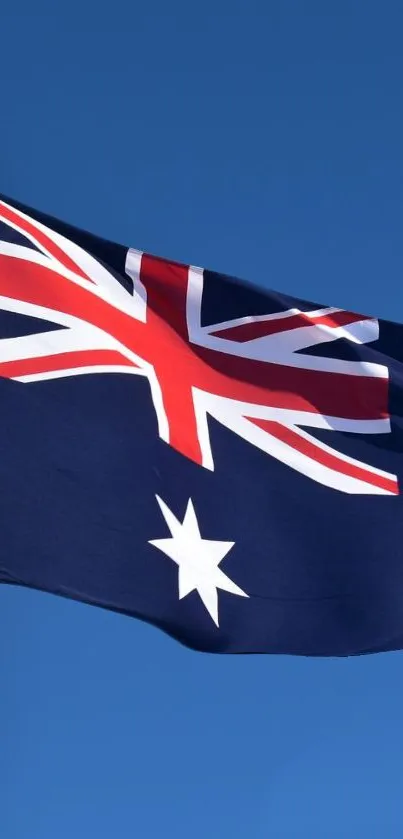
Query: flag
(211,457)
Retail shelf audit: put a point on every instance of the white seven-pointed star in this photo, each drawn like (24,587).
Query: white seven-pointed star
(198,559)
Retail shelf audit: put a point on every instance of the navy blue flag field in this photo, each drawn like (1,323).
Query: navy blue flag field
(219,460)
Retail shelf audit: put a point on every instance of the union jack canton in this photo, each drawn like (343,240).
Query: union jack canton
(228,467)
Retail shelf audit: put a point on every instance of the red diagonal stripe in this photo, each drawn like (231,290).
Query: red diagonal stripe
(43,240)
(261,329)
(332,461)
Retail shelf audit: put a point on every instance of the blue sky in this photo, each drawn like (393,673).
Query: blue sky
(263,139)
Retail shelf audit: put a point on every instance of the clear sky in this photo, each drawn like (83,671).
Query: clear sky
(262,139)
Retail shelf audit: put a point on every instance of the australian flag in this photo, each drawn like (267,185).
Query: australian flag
(219,460)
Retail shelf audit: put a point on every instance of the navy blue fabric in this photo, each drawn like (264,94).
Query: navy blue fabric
(9,234)
(80,466)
